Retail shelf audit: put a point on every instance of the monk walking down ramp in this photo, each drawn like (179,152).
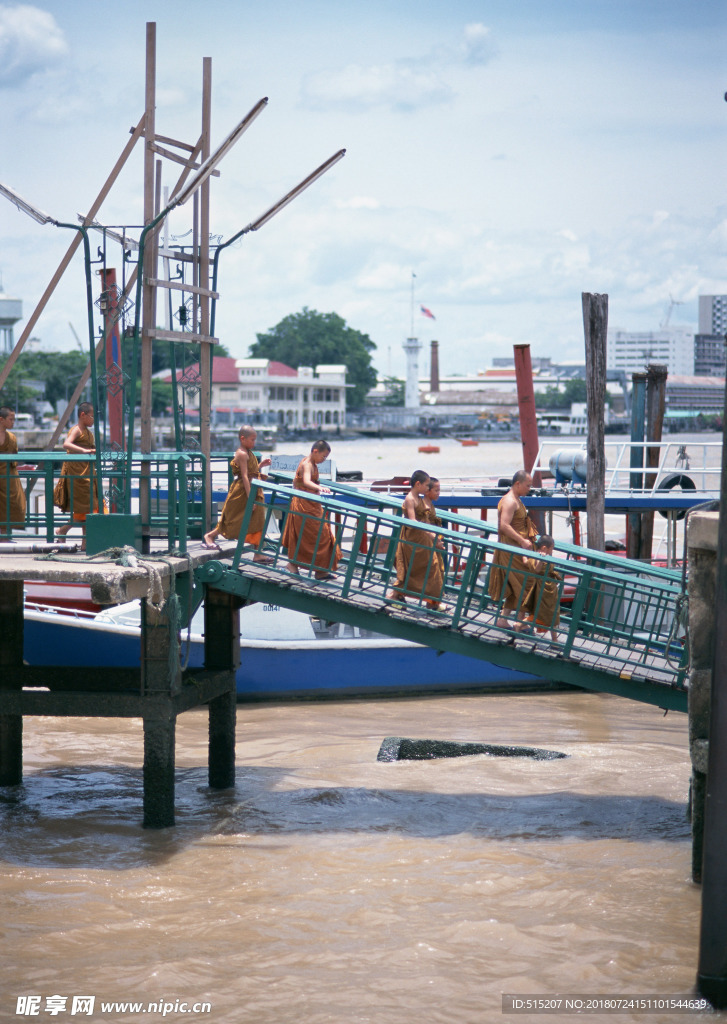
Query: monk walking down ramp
(245,467)
(541,600)
(514,527)
(307,534)
(73,490)
(12,495)
(418,564)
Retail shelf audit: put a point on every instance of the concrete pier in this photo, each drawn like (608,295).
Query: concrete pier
(702,530)
(157,691)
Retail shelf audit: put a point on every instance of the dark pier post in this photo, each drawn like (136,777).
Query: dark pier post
(11,657)
(222,653)
(595,325)
(636,460)
(160,682)
(712,971)
(655,405)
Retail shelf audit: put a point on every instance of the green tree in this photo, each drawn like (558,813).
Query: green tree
(185,353)
(553,398)
(397,391)
(309,338)
(60,371)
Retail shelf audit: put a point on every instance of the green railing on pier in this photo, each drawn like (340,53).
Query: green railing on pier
(619,620)
(181,475)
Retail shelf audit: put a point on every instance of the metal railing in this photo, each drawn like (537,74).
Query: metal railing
(177,491)
(623,612)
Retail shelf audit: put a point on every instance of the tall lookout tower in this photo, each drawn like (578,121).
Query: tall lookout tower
(411,394)
(11,310)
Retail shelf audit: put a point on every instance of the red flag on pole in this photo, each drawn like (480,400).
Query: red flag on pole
(427,312)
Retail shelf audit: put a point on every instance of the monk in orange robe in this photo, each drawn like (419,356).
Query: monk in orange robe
(12,495)
(307,534)
(73,490)
(514,527)
(418,565)
(245,467)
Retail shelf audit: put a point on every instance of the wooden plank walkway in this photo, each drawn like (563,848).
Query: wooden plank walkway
(604,665)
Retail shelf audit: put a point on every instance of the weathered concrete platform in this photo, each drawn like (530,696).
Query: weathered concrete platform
(110,583)
(156,692)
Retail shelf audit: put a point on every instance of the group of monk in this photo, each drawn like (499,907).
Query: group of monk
(72,492)
(525,587)
(307,534)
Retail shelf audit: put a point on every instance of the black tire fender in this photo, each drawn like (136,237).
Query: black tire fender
(683,482)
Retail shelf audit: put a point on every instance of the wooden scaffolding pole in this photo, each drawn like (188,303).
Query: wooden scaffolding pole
(595,324)
(205,356)
(148,292)
(90,216)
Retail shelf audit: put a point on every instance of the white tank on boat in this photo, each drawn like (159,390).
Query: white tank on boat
(569,464)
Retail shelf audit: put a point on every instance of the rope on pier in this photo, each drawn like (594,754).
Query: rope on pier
(130,558)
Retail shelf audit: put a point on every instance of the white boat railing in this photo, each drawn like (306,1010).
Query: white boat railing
(697,463)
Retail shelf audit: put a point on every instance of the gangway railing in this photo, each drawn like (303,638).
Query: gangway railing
(178,488)
(618,620)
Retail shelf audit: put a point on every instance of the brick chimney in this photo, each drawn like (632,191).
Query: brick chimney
(434,367)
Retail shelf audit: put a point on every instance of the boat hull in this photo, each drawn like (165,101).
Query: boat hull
(282,669)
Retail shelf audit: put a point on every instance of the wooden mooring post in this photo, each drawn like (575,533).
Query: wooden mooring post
(595,325)
(156,692)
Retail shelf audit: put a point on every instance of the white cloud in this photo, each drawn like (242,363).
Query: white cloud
(355,87)
(357,203)
(407,84)
(30,41)
(479,46)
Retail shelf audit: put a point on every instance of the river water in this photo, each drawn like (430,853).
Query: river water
(329,887)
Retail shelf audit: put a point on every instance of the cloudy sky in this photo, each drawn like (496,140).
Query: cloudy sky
(509,153)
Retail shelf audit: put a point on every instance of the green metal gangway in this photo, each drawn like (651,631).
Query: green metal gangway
(620,627)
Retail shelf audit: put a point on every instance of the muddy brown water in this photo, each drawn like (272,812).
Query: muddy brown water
(329,887)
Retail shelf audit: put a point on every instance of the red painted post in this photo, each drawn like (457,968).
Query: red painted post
(528,421)
(114,392)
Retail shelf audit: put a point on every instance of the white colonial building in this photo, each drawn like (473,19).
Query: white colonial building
(268,393)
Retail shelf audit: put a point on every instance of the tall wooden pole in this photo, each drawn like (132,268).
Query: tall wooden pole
(595,325)
(655,404)
(114,395)
(148,291)
(636,460)
(204,279)
(528,420)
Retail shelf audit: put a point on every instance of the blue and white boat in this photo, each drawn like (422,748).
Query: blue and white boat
(283,654)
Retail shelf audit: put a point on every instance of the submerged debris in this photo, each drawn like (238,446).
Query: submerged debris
(397,748)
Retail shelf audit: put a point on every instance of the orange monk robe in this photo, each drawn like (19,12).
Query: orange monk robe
(541,597)
(418,565)
(12,495)
(430,516)
(510,582)
(79,495)
(236,502)
(307,535)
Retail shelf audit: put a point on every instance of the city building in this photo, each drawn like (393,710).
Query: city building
(709,355)
(268,393)
(685,393)
(712,313)
(632,351)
